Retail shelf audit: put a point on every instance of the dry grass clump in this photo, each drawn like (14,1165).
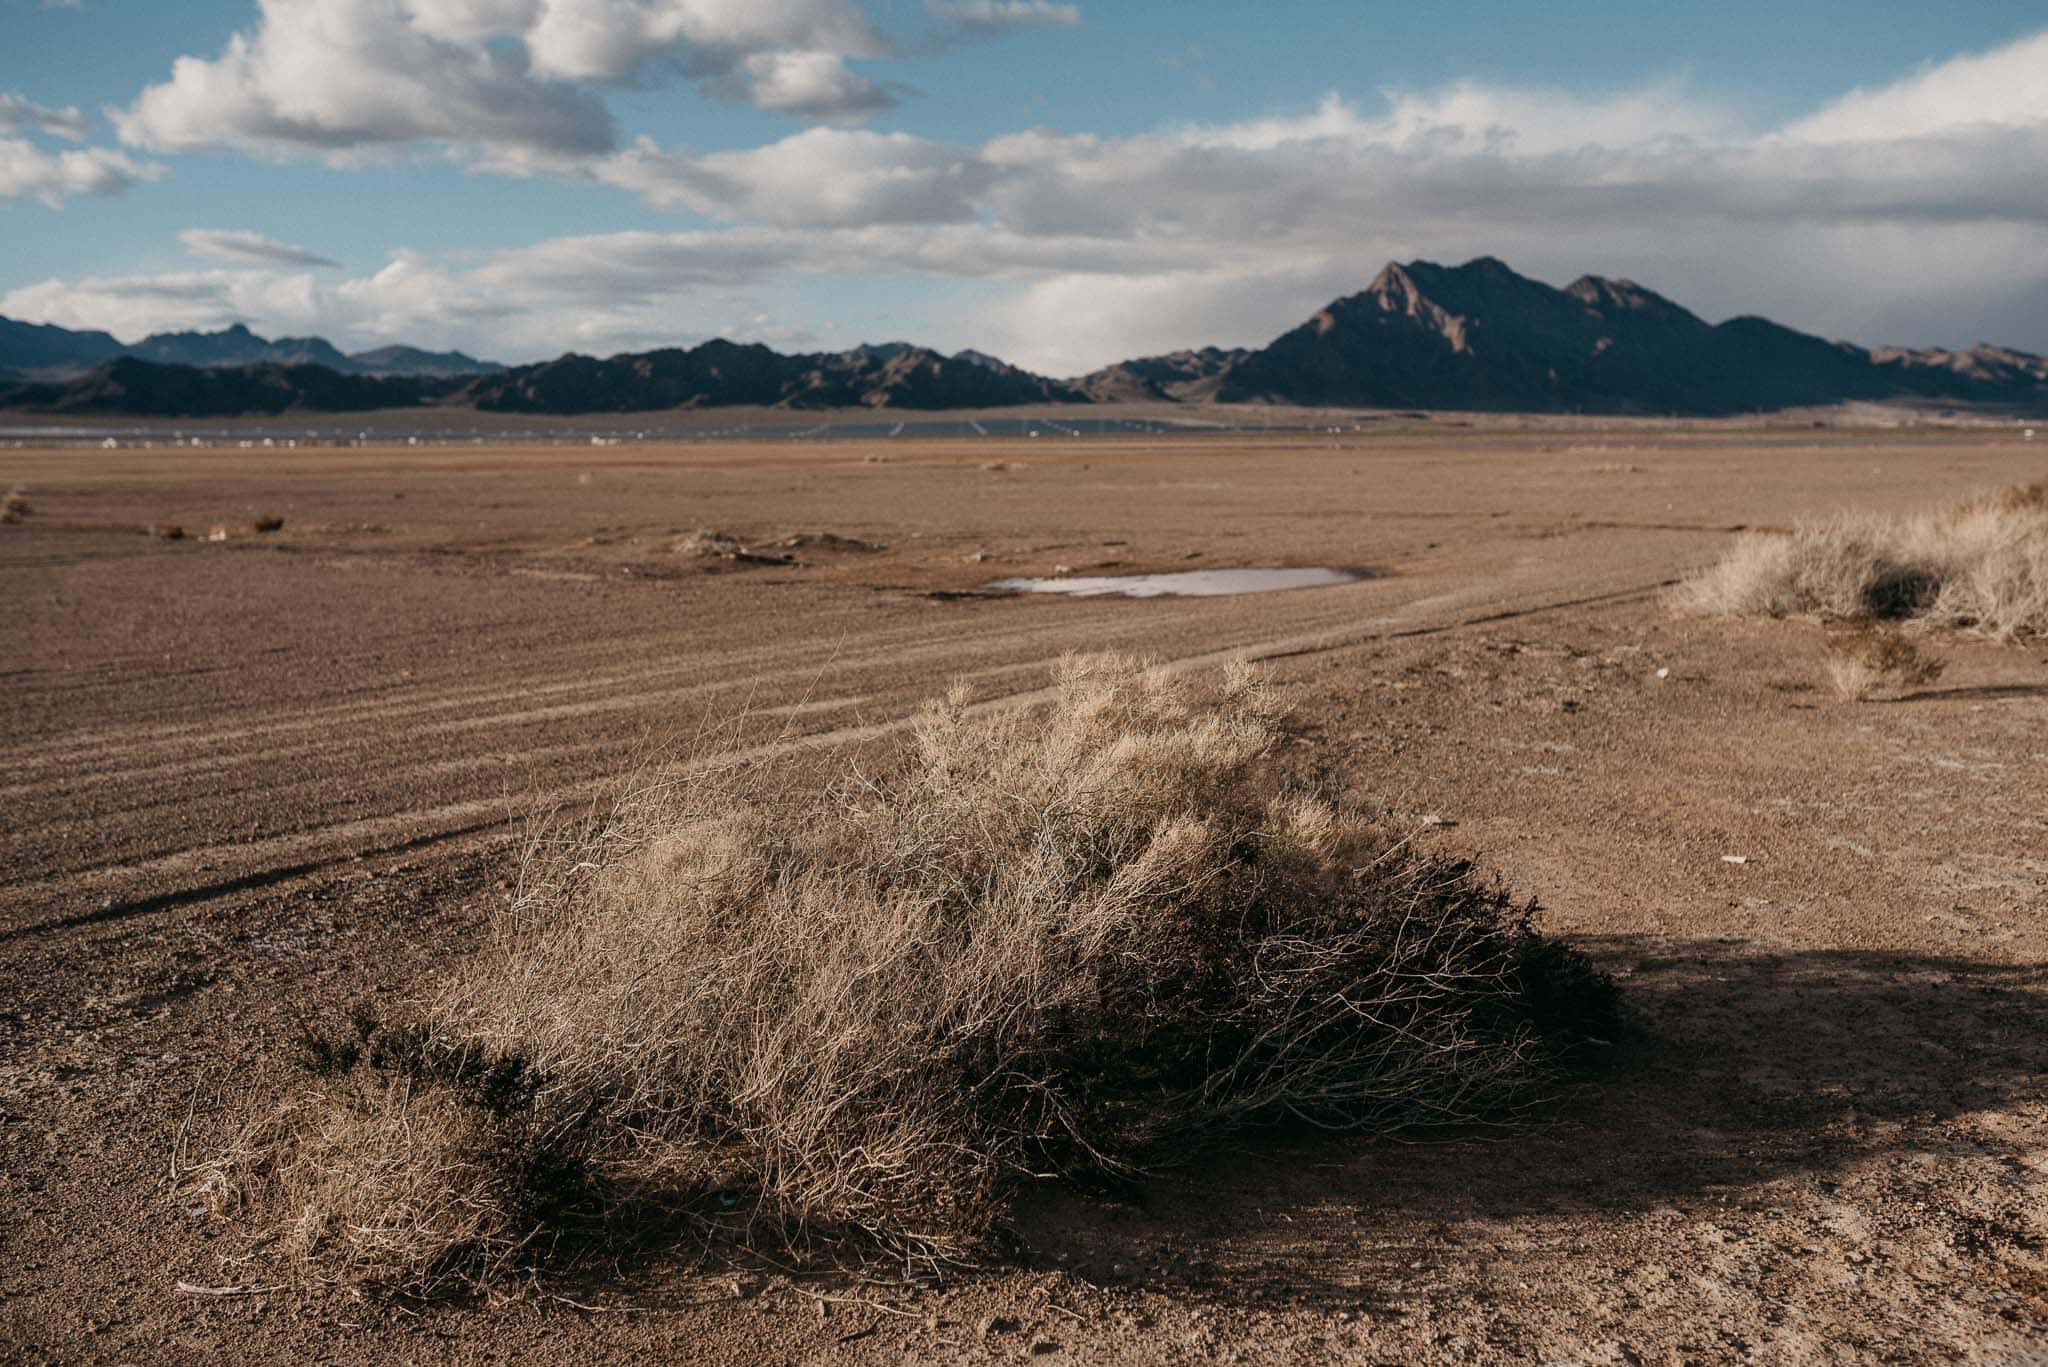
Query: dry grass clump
(707,544)
(403,1163)
(390,1184)
(1865,663)
(1981,565)
(1065,943)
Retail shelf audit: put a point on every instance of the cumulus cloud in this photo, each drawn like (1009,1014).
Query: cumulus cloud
(1890,215)
(247,249)
(339,74)
(28,172)
(598,294)
(2004,88)
(134,306)
(822,177)
(988,18)
(814,85)
(18,113)
(331,76)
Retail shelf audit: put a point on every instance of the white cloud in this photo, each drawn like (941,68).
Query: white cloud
(19,113)
(28,172)
(814,85)
(338,74)
(611,40)
(2004,88)
(331,76)
(134,306)
(987,18)
(822,177)
(1083,249)
(247,248)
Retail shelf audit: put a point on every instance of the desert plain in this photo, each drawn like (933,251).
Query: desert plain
(262,779)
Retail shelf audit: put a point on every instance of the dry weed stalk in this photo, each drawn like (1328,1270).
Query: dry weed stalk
(1066,942)
(1866,662)
(1981,565)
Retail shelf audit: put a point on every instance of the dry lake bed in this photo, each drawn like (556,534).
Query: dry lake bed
(263,777)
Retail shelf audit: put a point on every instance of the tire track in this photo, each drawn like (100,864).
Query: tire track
(286,857)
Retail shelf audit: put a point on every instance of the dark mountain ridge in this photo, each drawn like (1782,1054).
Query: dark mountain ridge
(47,352)
(129,386)
(1420,336)
(1479,336)
(721,373)
(37,348)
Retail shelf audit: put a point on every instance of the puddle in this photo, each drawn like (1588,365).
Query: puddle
(1183,583)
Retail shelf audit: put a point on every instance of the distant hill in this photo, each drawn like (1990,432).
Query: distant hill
(39,348)
(1480,336)
(410,360)
(720,374)
(42,351)
(1180,376)
(129,386)
(1420,336)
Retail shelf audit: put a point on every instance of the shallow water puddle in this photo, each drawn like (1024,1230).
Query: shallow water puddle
(1183,583)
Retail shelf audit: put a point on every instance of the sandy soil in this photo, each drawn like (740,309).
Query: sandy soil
(252,779)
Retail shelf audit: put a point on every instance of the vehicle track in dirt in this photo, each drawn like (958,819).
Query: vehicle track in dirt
(98,890)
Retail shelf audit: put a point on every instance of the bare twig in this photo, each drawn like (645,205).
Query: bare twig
(194,1289)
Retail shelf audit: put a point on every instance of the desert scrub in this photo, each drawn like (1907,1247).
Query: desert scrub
(1075,941)
(1867,662)
(401,1163)
(1982,565)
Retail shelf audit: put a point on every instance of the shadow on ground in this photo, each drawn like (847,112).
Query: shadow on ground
(1747,1068)
(1978,692)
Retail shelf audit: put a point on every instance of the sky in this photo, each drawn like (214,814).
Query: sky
(1061,184)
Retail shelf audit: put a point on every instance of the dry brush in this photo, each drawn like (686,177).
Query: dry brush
(1982,565)
(1074,941)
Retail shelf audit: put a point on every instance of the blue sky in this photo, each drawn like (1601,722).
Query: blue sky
(1060,183)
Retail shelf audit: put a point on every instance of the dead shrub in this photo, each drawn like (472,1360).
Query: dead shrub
(705,544)
(829,541)
(14,506)
(2021,498)
(1982,565)
(266,524)
(1074,942)
(402,1165)
(167,531)
(1862,664)
(709,545)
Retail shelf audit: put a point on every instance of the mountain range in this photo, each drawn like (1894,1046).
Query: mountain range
(43,352)
(1420,336)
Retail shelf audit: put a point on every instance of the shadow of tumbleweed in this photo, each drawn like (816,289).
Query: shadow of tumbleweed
(1747,1067)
